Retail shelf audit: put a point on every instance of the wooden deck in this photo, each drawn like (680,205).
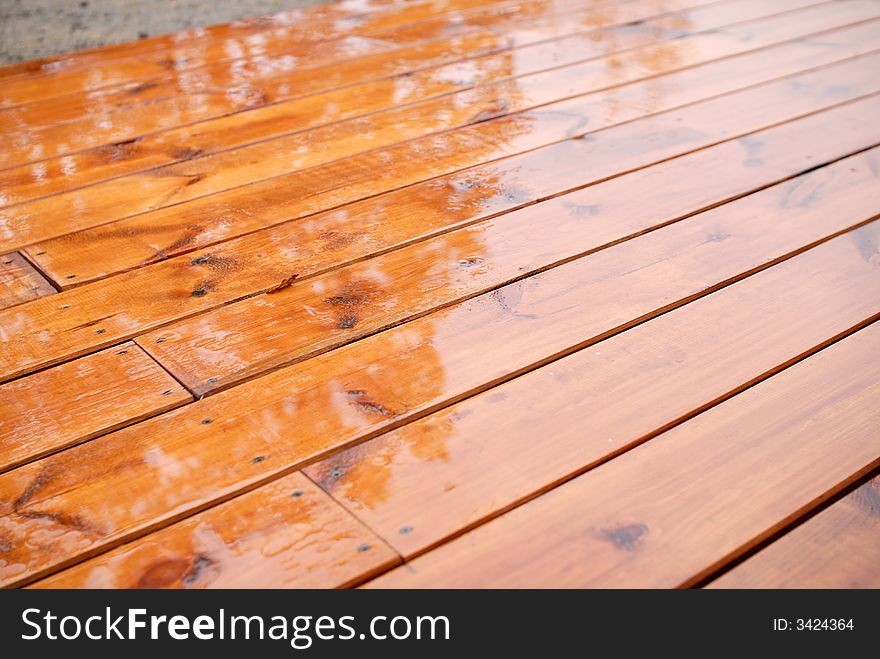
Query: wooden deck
(429,293)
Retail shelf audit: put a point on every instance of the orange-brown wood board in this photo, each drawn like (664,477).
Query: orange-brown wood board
(554,293)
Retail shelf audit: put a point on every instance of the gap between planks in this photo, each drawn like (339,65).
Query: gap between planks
(187,38)
(700,582)
(318,455)
(244,114)
(629,558)
(812,350)
(251,293)
(61,246)
(14,92)
(751,190)
(711,580)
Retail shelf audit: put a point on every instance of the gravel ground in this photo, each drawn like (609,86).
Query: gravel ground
(36,28)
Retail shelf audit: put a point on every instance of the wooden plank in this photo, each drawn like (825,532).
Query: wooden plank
(164,291)
(342,13)
(153,149)
(154,236)
(178,183)
(333,400)
(652,519)
(430,480)
(838,548)
(289,535)
(118,115)
(175,184)
(434,475)
(252,83)
(427,62)
(380,32)
(176,103)
(79,400)
(239,341)
(20,281)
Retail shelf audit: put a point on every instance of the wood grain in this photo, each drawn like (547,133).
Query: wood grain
(242,340)
(79,400)
(56,175)
(342,13)
(363,93)
(178,183)
(20,281)
(446,293)
(165,290)
(436,477)
(381,31)
(289,534)
(133,303)
(156,235)
(208,448)
(838,548)
(652,519)
(249,84)
(200,177)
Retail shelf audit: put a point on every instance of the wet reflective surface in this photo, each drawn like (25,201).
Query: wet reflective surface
(293,414)
(341,15)
(244,339)
(418,484)
(252,81)
(653,519)
(99,127)
(114,159)
(290,535)
(536,235)
(102,312)
(210,175)
(201,176)
(80,400)
(370,34)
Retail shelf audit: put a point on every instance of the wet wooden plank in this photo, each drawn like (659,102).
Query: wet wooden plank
(239,341)
(341,13)
(705,207)
(288,535)
(332,400)
(381,31)
(432,479)
(838,548)
(176,184)
(253,83)
(89,254)
(652,519)
(74,402)
(154,149)
(190,180)
(20,281)
(184,286)
(164,291)
(731,169)
(476,56)
(110,116)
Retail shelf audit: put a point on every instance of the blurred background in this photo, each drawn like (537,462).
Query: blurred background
(36,28)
